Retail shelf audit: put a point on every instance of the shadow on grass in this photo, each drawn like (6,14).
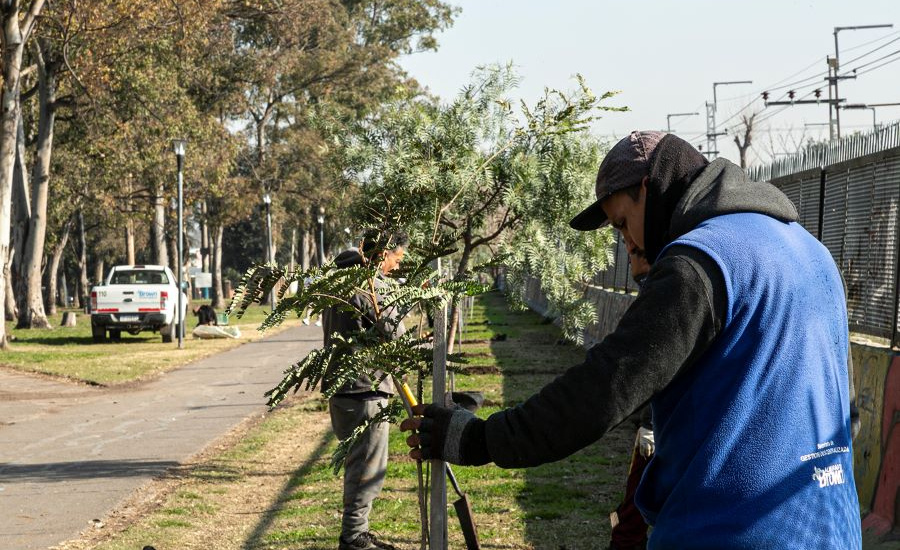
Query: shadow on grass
(564,504)
(81,340)
(257,538)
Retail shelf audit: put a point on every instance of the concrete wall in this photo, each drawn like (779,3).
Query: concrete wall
(876,451)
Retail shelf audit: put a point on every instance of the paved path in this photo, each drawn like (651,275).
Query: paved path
(70,453)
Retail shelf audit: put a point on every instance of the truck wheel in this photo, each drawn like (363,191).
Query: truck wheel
(115,335)
(167,332)
(98,333)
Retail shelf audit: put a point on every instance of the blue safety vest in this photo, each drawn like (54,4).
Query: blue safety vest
(753,445)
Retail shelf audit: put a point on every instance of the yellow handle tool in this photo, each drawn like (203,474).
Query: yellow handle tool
(406,395)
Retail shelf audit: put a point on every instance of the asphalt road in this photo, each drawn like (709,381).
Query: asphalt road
(71,453)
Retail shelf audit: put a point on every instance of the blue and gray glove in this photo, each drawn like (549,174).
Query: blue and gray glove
(454,435)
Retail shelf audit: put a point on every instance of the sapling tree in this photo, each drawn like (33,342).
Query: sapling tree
(487,174)
(474,174)
(381,347)
(381,350)
(544,249)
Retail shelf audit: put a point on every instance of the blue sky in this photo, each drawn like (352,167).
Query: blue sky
(665,55)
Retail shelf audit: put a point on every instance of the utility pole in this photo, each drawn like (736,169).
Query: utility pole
(871,107)
(669,119)
(178,145)
(837,65)
(832,103)
(270,256)
(712,147)
(320,219)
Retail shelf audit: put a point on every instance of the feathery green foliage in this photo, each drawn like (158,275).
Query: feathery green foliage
(386,414)
(381,350)
(484,175)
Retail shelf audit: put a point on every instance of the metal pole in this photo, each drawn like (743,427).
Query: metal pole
(831,103)
(837,95)
(837,65)
(270,257)
(712,140)
(321,219)
(438,512)
(180,253)
(669,119)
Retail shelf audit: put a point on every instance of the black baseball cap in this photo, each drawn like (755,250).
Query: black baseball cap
(624,166)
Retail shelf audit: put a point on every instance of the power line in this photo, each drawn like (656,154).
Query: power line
(882,58)
(801,71)
(870,52)
(864,44)
(879,66)
(801,84)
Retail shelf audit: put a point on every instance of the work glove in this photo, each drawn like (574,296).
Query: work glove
(454,435)
(644,442)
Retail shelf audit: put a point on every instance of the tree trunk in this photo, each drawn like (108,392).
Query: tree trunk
(129,242)
(10,312)
(84,287)
(291,261)
(21,214)
(53,271)
(63,289)
(99,270)
(204,238)
(454,315)
(748,122)
(158,228)
(304,248)
(13,43)
(33,315)
(172,241)
(218,294)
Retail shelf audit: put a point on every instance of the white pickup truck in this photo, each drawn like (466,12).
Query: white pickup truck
(136,298)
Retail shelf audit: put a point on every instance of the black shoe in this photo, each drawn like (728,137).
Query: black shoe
(365,541)
(639,546)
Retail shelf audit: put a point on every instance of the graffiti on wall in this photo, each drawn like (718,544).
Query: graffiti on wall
(882,516)
(876,451)
(870,367)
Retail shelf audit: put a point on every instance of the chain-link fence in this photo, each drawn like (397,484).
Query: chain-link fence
(847,194)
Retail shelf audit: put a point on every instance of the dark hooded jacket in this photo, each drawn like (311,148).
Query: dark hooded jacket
(679,312)
(670,336)
(334,320)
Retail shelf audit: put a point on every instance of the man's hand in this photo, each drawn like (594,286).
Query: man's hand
(644,442)
(438,433)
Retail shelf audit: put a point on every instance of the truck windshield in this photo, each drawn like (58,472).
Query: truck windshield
(139,277)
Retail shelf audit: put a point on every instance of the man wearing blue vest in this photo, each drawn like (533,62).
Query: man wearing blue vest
(738,341)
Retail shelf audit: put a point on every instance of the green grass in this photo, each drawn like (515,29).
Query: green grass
(69,352)
(560,505)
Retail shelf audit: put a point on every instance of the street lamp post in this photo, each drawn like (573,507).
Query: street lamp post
(669,119)
(837,66)
(178,146)
(267,199)
(321,221)
(863,106)
(711,134)
(872,107)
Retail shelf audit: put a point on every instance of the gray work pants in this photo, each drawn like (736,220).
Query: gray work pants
(366,462)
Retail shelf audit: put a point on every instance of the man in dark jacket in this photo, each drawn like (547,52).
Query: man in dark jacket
(359,400)
(738,340)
